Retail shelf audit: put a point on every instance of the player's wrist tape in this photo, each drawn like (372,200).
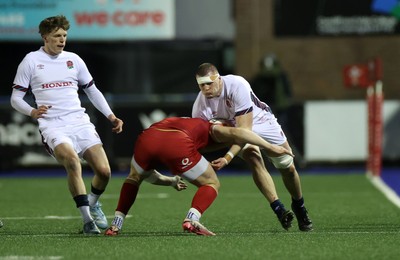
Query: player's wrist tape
(228,157)
(226,161)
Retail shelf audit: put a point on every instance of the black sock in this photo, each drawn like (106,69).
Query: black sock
(298,204)
(81,200)
(96,191)
(278,208)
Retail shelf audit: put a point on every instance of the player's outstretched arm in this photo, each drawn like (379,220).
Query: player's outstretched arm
(241,136)
(157,178)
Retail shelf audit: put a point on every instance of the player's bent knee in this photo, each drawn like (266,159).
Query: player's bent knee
(103,173)
(250,153)
(282,162)
(216,184)
(72,164)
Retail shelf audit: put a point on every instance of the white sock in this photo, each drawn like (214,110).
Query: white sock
(118,220)
(85,214)
(193,214)
(93,198)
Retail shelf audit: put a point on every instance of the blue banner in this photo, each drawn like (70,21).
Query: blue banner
(90,19)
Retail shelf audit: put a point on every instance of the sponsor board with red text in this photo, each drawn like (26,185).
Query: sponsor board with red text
(90,19)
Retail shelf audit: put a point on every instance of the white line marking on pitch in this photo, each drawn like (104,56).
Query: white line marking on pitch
(28,257)
(390,194)
(244,234)
(52,217)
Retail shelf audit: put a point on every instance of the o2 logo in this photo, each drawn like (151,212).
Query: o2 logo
(186,162)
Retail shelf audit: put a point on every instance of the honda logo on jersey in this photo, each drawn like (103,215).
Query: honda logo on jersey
(57,84)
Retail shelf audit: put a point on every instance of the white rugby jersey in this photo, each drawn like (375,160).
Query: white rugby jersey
(237,98)
(54,80)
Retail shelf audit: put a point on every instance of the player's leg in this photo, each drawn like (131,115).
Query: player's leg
(66,156)
(141,167)
(98,162)
(262,178)
(251,154)
(208,186)
(290,178)
(292,182)
(127,198)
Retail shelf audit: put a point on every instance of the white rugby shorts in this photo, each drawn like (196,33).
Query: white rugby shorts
(80,136)
(271,131)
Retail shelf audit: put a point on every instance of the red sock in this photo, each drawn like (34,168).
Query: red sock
(203,198)
(127,197)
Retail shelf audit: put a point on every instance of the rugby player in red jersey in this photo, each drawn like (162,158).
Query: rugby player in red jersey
(175,143)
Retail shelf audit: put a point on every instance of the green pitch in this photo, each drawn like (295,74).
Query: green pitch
(352,220)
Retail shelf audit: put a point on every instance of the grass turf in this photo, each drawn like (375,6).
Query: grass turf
(352,220)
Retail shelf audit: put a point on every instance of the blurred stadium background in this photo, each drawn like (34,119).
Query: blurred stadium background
(143,55)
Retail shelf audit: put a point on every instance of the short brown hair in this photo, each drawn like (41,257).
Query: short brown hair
(206,68)
(52,23)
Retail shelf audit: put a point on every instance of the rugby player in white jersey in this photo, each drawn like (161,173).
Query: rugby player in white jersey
(54,77)
(231,97)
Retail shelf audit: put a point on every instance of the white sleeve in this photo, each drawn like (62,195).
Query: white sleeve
(199,110)
(98,100)
(241,93)
(19,104)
